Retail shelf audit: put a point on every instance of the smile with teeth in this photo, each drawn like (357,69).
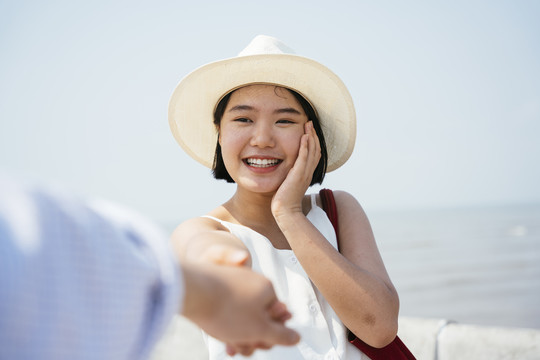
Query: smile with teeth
(262,163)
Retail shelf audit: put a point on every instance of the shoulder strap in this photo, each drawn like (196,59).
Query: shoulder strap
(329,206)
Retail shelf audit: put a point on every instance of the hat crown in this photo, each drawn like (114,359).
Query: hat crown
(264,45)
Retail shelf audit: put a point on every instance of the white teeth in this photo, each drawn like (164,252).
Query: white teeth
(262,162)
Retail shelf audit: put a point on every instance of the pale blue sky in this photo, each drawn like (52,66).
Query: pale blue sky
(447,95)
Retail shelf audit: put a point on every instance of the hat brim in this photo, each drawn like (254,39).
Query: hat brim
(193,101)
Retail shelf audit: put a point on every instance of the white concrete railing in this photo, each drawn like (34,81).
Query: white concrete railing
(436,339)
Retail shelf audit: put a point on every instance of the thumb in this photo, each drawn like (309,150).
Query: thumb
(225,255)
(236,257)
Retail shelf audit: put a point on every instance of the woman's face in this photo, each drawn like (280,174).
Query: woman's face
(260,135)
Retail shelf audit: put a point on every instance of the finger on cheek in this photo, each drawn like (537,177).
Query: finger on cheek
(304,141)
(308,127)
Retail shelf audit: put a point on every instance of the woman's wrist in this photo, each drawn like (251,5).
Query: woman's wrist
(289,218)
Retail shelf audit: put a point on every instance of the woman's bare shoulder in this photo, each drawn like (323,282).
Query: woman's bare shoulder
(344,197)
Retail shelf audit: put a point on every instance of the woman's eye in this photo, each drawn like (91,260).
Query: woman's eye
(243,120)
(285,122)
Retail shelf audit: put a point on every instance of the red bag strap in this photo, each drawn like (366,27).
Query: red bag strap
(329,206)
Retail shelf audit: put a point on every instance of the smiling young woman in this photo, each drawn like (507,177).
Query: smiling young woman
(274,123)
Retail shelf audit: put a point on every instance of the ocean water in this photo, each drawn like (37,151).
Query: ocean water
(474,265)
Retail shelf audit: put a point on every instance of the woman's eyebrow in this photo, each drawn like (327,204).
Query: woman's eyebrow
(240,108)
(288,110)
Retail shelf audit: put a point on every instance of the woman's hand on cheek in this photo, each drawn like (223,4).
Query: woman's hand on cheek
(289,196)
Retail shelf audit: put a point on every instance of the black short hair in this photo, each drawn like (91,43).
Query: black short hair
(219,170)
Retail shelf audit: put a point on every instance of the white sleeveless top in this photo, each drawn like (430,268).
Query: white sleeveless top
(323,335)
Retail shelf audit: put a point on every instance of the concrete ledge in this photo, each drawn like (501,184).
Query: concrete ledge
(478,343)
(420,335)
(430,339)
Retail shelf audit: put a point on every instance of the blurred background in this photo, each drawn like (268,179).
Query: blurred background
(448,104)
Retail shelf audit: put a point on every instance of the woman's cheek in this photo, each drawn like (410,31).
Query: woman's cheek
(297,141)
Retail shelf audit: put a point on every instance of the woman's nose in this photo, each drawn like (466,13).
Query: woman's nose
(262,136)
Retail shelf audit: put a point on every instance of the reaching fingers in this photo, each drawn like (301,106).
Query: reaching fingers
(278,311)
(276,331)
(242,349)
(279,334)
(231,350)
(245,349)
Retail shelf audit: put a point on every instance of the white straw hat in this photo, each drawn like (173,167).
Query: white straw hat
(265,60)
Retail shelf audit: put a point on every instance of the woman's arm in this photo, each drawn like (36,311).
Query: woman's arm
(355,281)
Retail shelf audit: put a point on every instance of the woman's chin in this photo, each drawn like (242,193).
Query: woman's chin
(258,186)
